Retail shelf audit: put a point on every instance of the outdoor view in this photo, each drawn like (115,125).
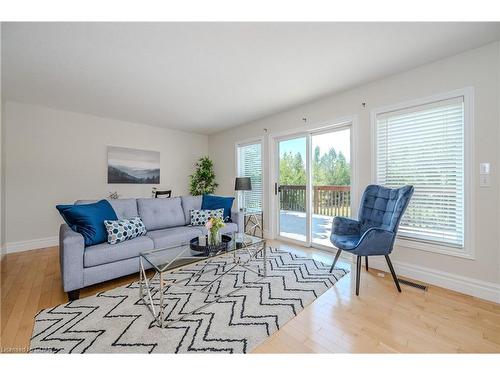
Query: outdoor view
(331,178)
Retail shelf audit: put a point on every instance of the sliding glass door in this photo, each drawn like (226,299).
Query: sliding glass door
(331,181)
(313,184)
(292,188)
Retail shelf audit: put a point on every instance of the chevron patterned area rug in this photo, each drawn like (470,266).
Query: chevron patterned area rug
(118,321)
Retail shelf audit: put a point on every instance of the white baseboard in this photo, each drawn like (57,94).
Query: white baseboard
(14,247)
(466,285)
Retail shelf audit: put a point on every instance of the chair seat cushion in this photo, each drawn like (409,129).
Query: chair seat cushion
(173,236)
(106,253)
(345,242)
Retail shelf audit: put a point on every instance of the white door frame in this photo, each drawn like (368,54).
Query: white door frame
(307,131)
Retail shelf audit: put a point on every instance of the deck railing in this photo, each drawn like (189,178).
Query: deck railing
(329,200)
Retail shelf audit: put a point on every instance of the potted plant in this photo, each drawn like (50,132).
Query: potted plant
(202,181)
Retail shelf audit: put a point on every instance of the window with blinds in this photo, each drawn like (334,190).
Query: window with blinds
(250,165)
(423,146)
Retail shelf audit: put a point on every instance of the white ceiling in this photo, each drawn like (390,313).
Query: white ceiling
(205,77)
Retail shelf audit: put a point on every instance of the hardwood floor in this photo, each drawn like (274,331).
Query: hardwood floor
(379,320)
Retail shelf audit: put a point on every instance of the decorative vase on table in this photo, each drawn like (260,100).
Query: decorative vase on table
(214,237)
(214,225)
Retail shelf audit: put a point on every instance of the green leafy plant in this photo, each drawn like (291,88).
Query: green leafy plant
(202,181)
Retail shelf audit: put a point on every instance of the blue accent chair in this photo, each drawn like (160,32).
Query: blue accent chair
(375,230)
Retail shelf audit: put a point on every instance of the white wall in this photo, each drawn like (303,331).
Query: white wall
(478,68)
(55,157)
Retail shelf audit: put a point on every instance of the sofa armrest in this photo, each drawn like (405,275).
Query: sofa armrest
(71,248)
(238,218)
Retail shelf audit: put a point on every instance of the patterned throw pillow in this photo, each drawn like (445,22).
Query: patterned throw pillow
(124,229)
(200,217)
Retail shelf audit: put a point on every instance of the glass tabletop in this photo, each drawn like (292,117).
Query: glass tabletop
(176,256)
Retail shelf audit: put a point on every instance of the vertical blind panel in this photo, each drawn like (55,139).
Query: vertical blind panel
(250,165)
(423,146)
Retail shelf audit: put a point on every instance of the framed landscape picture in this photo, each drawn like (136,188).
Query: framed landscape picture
(131,166)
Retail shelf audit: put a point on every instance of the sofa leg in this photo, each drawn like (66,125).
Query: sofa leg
(74,295)
(335,260)
(366,262)
(358,273)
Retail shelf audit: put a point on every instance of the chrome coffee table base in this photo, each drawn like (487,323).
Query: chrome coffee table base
(147,289)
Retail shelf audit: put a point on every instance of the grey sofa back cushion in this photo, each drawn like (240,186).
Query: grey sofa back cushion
(161,213)
(190,202)
(124,208)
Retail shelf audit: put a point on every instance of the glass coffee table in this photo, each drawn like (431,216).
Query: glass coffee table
(248,252)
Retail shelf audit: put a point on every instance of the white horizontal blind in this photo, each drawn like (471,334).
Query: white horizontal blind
(423,146)
(250,165)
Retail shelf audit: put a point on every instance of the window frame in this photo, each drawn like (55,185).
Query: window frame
(467,251)
(248,142)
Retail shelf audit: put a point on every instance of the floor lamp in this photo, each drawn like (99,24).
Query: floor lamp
(242,184)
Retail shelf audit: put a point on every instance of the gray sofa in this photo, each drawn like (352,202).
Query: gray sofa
(167,224)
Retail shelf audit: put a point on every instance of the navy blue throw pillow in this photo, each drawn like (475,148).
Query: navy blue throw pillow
(214,202)
(88,219)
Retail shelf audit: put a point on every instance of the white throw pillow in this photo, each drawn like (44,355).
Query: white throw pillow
(200,217)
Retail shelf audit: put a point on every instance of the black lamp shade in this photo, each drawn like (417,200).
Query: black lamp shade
(242,183)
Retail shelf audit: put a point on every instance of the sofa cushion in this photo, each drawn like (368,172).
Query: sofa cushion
(173,236)
(124,229)
(161,213)
(106,253)
(124,208)
(200,217)
(226,229)
(190,202)
(213,202)
(88,219)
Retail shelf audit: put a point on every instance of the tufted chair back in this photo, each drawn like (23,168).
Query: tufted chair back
(383,207)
